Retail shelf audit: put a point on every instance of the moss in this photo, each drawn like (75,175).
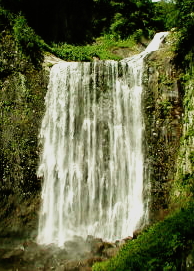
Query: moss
(162,102)
(183,186)
(23,87)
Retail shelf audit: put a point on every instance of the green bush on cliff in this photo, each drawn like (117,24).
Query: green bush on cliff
(28,42)
(23,84)
(103,48)
(185,25)
(164,246)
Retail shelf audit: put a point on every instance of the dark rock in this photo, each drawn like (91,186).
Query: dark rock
(110,252)
(128,238)
(78,255)
(29,244)
(97,247)
(13,254)
(109,245)
(135,234)
(70,245)
(72,266)
(85,268)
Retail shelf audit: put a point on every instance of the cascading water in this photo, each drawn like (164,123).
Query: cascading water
(92,160)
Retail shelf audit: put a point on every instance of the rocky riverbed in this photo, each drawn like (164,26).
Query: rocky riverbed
(76,255)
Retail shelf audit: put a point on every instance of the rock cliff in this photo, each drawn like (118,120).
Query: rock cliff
(168,144)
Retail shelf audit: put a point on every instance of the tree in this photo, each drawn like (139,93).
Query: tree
(102,13)
(130,16)
(61,20)
(165,14)
(185,25)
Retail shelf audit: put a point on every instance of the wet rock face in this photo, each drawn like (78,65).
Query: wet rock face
(77,255)
(162,101)
(23,87)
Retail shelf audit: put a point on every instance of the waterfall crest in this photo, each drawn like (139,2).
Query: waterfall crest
(92,160)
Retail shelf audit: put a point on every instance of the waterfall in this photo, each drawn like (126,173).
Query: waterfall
(92,161)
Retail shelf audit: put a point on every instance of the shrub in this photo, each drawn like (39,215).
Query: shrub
(102,48)
(28,42)
(162,247)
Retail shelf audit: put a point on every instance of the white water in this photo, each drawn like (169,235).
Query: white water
(92,160)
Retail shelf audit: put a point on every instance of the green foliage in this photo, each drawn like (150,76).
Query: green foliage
(165,14)
(185,24)
(138,35)
(101,18)
(103,49)
(62,22)
(161,247)
(165,107)
(67,21)
(20,105)
(189,134)
(29,45)
(185,13)
(126,18)
(28,42)
(23,87)
(5,18)
(183,186)
(191,156)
